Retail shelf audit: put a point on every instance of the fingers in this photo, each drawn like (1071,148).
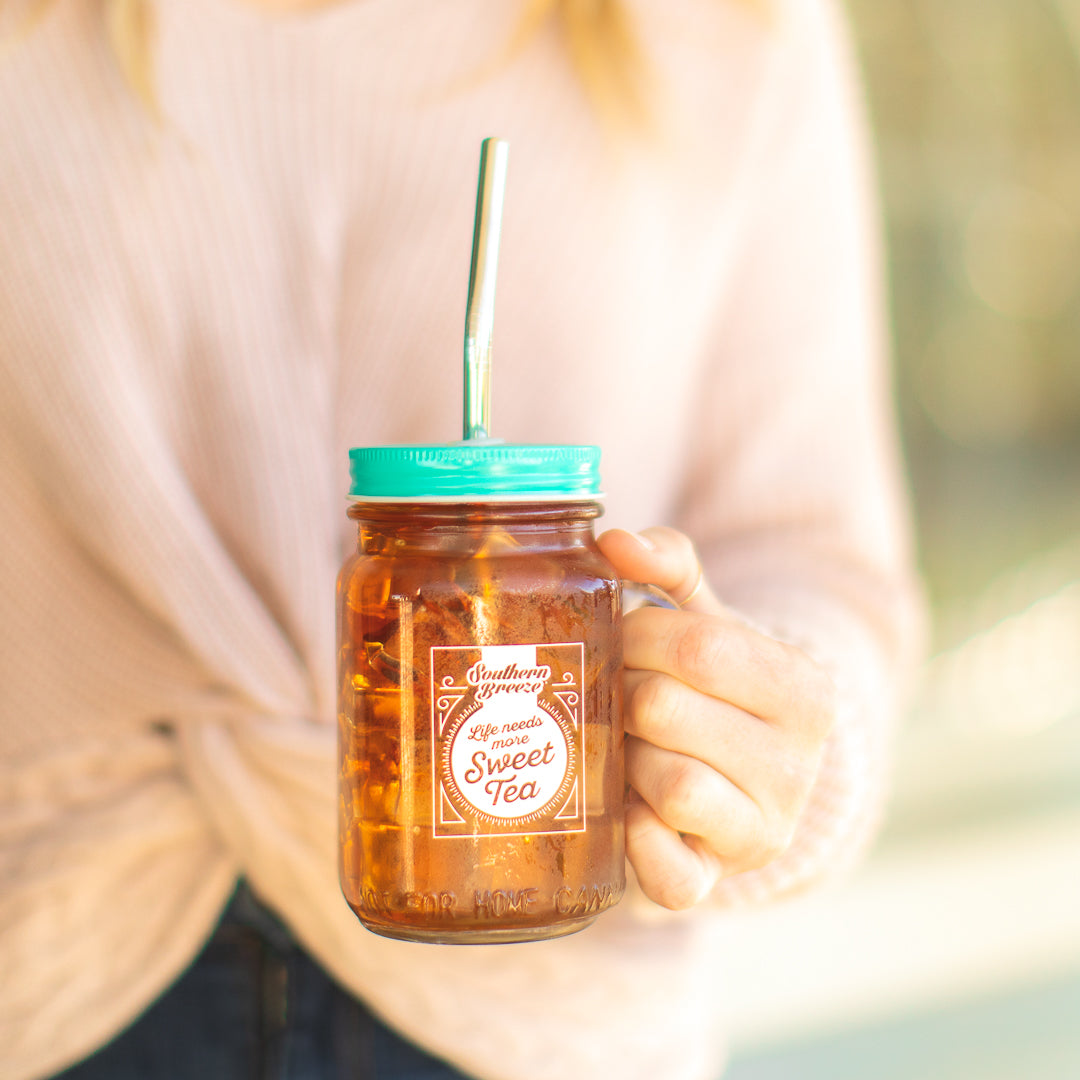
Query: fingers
(726,727)
(672,871)
(662,557)
(751,753)
(696,801)
(774,768)
(724,788)
(721,657)
(707,646)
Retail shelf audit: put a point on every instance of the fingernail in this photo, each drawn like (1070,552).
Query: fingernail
(644,541)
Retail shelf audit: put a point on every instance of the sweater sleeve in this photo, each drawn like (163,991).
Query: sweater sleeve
(794,493)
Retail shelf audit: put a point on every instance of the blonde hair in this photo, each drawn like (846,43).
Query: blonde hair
(601,39)
(605,51)
(129,25)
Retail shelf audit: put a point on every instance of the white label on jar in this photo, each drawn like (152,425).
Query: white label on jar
(508,739)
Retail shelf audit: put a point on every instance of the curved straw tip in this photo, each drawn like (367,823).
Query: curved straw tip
(494,148)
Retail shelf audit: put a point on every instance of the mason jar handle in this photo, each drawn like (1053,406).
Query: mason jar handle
(636,595)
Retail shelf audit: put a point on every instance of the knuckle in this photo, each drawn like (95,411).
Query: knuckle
(655,704)
(765,840)
(678,543)
(684,797)
(699,647)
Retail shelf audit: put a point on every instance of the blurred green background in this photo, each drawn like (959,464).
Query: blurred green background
(955,953)
(976,105)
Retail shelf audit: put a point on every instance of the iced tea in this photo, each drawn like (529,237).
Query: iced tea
(481,780)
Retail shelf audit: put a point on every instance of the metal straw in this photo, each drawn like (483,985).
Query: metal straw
(480,311)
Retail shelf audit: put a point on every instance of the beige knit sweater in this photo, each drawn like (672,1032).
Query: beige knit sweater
(198,319)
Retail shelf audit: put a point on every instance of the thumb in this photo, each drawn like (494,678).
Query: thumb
(662,557)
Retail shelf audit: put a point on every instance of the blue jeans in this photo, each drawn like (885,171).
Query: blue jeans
(255,1006)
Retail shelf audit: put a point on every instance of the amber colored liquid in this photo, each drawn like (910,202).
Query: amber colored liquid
(428,578)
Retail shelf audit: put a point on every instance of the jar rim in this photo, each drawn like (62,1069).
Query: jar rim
(464,500)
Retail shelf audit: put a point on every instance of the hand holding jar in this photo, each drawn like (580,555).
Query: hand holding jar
(726,728)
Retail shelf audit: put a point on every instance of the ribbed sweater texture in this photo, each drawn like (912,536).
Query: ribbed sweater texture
(199,316)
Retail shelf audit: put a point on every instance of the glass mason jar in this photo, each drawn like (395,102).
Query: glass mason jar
(480,726)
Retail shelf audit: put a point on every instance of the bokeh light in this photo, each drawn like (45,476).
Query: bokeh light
(1022,253)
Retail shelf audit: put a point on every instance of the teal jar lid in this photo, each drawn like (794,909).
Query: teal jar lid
(481,471)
